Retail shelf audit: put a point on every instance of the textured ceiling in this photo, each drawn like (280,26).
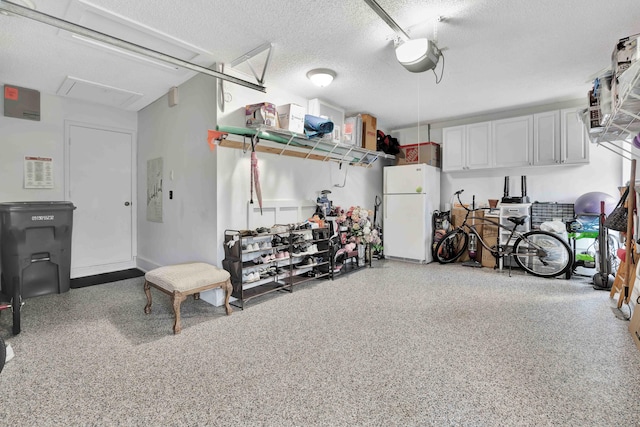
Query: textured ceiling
(499,54)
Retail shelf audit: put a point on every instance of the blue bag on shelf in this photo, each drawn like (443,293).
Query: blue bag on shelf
(317,126)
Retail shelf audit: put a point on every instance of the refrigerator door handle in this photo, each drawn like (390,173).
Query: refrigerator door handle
(384,207)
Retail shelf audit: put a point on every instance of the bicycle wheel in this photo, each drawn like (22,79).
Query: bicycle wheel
(451,246)
(543,254)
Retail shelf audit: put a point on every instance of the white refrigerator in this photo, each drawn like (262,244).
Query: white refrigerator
(410,195)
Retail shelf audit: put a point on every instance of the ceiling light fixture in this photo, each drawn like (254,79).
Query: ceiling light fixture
(321,77)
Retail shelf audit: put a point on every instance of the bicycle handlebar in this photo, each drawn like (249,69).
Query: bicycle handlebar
(457,194)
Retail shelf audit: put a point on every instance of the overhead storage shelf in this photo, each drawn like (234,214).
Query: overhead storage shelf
(285,143)
(623,123)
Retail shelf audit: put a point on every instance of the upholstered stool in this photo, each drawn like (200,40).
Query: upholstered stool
(181,280)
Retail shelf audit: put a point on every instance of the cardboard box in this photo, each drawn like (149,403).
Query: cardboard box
(369,132)
(291,117)
(488,260)
(424,152)
(490,237)
(260,114)
(457,217)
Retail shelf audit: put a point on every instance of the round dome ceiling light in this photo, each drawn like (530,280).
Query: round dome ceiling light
(321,77)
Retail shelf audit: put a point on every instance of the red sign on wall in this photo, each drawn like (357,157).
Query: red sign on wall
(11,93)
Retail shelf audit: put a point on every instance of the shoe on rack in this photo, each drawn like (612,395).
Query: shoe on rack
(313,249)
(279,229)
(266,258)
(262,230)
(308,236)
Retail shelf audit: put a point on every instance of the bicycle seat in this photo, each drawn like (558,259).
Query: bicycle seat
(518,220)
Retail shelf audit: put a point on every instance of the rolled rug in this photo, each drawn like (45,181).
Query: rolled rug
(317,126)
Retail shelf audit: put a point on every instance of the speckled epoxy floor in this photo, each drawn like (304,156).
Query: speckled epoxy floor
(397,344)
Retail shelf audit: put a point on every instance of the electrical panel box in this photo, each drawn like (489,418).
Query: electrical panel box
(21,103)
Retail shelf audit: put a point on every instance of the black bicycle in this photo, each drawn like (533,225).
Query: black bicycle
(538,252)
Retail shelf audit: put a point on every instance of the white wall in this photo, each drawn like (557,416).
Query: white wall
(562,184)
(179,136)
(45,138)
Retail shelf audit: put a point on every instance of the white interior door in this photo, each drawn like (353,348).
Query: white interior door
(99,183)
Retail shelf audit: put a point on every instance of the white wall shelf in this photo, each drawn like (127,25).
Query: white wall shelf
(285,143)
(623,124)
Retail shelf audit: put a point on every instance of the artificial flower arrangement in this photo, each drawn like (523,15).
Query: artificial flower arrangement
(358,224)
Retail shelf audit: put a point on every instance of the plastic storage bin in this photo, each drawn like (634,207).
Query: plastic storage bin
(35,247)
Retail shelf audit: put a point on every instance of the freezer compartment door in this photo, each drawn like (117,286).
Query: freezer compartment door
(407,230)
(407,179)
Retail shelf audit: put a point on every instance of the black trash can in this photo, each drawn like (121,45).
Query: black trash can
(35,248)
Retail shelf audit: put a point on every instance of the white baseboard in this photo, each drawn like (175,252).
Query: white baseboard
(146,265)
(100,269)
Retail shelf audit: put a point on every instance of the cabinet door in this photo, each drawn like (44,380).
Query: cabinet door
(479,146)
(575,142)
(512,140)
(453,149)
(546,138)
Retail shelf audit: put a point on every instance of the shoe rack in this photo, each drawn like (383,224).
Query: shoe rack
(263,261)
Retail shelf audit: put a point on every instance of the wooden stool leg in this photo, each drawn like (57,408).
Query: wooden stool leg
(147,291)
(177,299)
(228,288)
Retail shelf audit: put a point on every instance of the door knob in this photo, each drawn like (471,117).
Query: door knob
(127,203)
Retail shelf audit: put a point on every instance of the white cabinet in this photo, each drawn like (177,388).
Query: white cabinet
(546,138)
(479,146)
(512,141)
(453,148)
(549,138)
(466,147)
(574,139)
(559,138)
